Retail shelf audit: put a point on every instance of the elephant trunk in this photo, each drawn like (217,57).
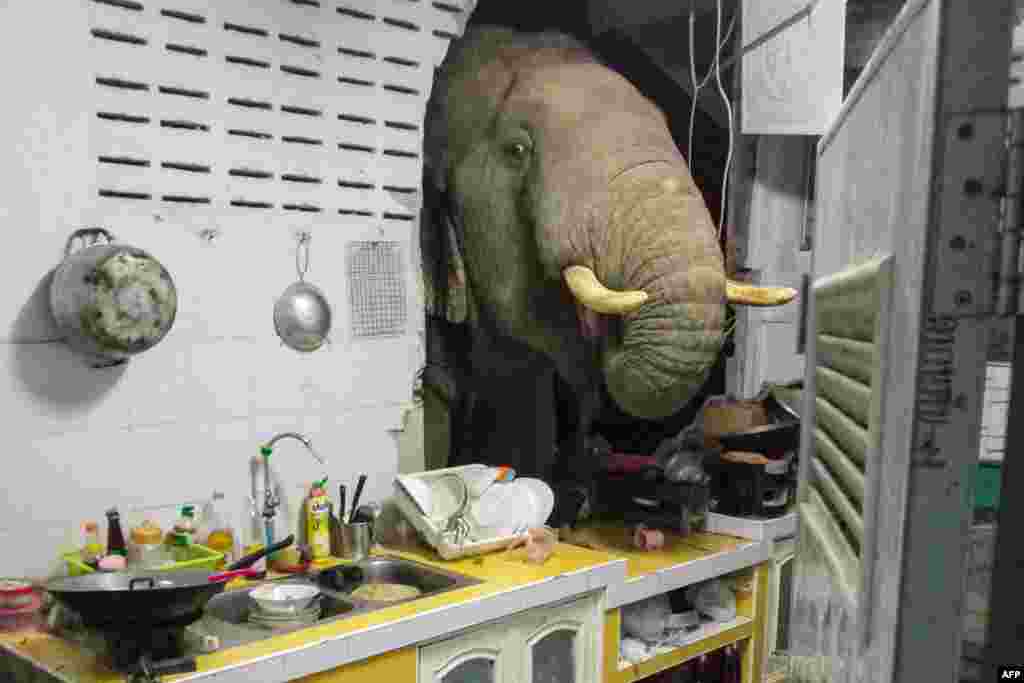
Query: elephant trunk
(658,268)
(663,269)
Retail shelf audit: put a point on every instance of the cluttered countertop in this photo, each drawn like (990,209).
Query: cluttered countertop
(470,542)
(508,583)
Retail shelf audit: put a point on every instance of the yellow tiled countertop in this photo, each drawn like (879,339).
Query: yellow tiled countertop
(682,561)
(509,585)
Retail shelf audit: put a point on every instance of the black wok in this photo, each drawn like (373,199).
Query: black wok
(151,599)
(767,439)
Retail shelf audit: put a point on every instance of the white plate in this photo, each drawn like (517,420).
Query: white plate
(505,508)
(544,499)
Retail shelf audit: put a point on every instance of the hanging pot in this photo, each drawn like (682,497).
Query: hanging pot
(302,314)
(111,301)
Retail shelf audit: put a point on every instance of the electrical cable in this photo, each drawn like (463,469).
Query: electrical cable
(697,87)
(728,111)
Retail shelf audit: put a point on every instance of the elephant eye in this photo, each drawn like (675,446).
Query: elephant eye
(517,151)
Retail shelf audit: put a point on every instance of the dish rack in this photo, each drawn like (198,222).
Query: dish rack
(433,527)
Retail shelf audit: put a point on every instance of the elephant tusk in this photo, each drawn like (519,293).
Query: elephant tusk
(589,291)
(741,294)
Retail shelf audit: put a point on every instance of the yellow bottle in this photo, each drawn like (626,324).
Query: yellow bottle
(318,522)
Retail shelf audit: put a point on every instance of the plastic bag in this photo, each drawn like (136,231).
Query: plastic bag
(540,544)
(647,619)
(714,599)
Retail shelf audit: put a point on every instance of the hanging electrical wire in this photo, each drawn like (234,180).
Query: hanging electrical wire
(697,87)
(713,70)
(728,112)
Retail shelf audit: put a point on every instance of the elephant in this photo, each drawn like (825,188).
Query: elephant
(561,225)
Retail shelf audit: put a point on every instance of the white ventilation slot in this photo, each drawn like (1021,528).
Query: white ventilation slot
(291,108)
(376,286)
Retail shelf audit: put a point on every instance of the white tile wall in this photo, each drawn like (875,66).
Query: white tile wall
(181,420)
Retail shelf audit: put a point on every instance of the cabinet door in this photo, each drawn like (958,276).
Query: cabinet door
(558,644)
(475,657)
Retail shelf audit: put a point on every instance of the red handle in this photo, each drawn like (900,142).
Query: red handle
(224,576)
(629,463)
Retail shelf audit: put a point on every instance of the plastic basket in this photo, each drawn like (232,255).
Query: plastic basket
(201,558)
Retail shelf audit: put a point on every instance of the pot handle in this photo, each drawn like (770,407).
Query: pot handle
(83,233)
(141,579)
(225,576)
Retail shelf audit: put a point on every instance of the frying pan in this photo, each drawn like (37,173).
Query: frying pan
(128,600)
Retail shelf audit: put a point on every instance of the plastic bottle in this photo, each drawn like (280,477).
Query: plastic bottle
(318,522)
(184,534)
(144,548)
(218,532)
(254,538)
(115,537)
(92,551)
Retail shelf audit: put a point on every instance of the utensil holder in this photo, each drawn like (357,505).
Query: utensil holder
(356,540)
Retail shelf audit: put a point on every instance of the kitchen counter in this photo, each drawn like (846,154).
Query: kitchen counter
(682,561)
(508,585)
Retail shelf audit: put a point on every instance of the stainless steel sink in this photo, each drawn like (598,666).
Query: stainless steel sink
(428,580)
(227,614)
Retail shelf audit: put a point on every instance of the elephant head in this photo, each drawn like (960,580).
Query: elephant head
(573,219)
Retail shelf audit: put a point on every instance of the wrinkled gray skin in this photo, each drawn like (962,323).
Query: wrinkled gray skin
(550,159)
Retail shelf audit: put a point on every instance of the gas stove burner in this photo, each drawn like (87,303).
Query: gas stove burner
(127,648)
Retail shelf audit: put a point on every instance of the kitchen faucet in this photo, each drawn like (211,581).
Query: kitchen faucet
(270,499)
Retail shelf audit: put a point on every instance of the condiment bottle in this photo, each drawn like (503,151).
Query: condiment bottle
(184,534)
(91,549)
(318,522)
(220,534)
(115,537)
(145,545)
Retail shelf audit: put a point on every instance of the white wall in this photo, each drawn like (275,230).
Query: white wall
(181,420)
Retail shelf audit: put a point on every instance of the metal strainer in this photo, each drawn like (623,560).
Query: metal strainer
(302,315)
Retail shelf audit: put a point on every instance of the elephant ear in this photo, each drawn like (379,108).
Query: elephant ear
(444,281)
(448,297)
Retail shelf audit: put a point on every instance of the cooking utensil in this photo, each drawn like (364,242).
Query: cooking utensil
(357,496)
(781,437)
(341,504)
(355,541)
(368,513)
(111,301)
(126,600)
(335,526)
(302,314)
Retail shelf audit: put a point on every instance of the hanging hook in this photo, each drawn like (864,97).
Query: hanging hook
(302,254)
